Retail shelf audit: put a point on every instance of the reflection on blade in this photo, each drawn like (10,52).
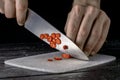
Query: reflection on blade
(37,25)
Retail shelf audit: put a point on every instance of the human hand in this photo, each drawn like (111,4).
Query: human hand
(87,27)
(14,9)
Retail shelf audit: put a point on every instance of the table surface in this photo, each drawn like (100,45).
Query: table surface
(110,71)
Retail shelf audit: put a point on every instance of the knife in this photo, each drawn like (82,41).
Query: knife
(38,25)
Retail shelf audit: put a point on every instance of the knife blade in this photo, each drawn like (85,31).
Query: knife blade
(38,25)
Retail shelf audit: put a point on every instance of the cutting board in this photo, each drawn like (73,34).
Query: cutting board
(40,62)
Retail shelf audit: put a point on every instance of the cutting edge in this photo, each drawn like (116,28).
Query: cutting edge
(33,19)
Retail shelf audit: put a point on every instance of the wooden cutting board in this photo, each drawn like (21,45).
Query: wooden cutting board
(40,62)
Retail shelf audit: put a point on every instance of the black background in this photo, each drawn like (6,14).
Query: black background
(55,12)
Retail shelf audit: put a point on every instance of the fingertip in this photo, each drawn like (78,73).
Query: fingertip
(87,54)
(21,11)
(21,18)
(20,24)
(21,21)
(93,53)
(1,11)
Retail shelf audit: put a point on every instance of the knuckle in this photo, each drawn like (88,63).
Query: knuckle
(108,20)
(103,14)
(92,10)
(96,34)
(83,34)
(77,9)
(73,29)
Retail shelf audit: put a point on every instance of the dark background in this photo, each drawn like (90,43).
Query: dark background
(55,12)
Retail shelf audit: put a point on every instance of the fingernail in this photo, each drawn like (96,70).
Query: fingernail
(86,53)
(20,24)
(21,19)
(93,52)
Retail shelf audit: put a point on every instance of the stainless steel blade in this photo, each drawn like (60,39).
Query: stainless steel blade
(37,25)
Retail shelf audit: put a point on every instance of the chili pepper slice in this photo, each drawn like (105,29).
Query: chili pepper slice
(52,44)
(58,35)
(49,39)
(57,58)
(53,35)
(54,40)
(67,56)
(58,41)
(50,59)
(46,35)
(42,36)
(65,47)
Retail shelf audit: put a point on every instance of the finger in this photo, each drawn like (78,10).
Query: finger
(66,25)
(9,8)
(95,34)
(86,25)
(1,6)
(103,37)
(21,10)
(73,21)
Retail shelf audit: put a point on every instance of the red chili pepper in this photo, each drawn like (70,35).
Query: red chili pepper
(50,59)
(65,47)
(53,35)
(52,44)
(42,36)
(46,35)
(58,41)
(49,39)
(58,35)
(57,58)
(67,56)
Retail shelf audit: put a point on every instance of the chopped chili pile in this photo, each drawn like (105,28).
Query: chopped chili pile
(54,40)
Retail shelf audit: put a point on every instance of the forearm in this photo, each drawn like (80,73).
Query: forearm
(95,3)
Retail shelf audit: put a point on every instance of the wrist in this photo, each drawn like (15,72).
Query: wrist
(95,3)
